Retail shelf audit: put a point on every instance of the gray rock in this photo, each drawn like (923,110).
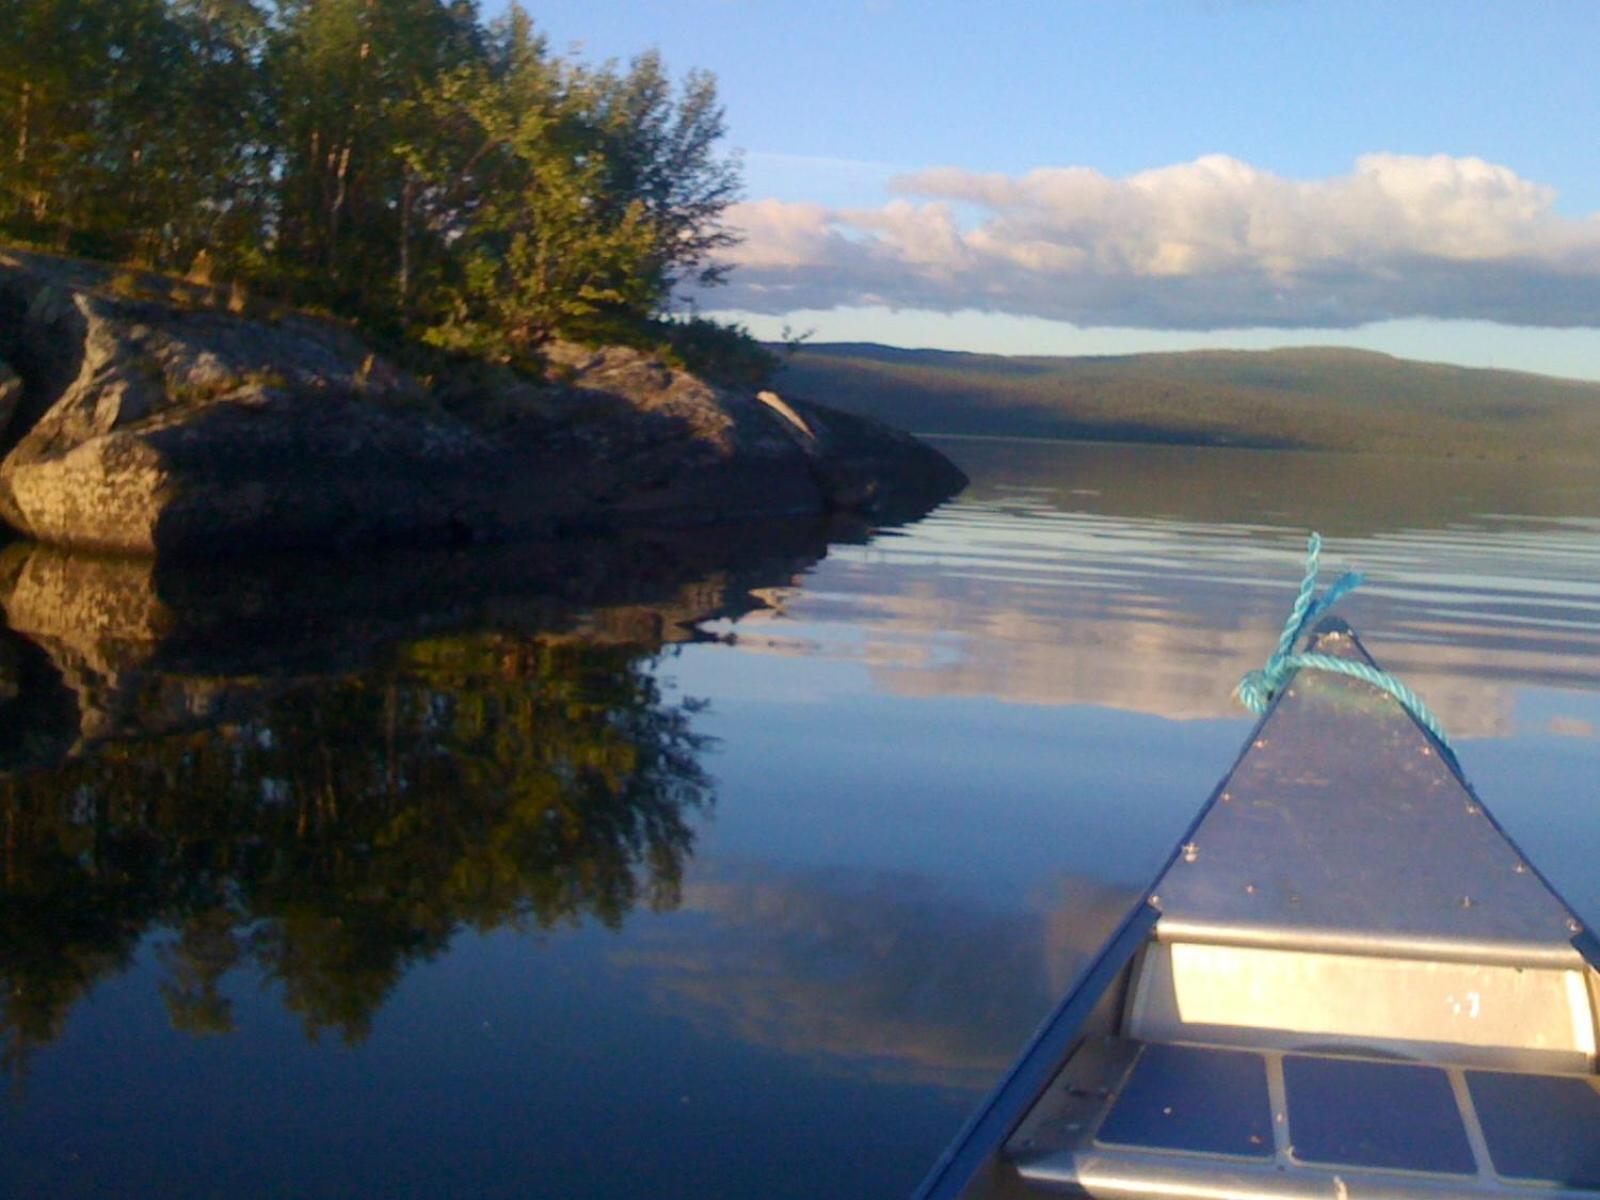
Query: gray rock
(255,468)
(151,428)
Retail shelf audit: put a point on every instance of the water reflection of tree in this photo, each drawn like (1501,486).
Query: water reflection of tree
(348,830)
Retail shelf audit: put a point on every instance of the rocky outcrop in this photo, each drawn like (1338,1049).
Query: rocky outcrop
(149,427)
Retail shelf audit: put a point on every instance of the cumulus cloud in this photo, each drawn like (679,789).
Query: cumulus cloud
(1210,244)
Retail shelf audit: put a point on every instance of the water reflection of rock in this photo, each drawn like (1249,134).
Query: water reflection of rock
(38,713)
(885,977)
(322,777)
(147,649)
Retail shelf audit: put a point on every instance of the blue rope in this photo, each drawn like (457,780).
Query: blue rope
(1257,688)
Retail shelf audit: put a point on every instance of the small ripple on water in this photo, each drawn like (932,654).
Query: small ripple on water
(1474,592)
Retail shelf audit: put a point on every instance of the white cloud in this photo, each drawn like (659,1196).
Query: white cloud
(1214,243)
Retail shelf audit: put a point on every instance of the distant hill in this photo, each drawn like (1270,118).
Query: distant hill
(1314,398)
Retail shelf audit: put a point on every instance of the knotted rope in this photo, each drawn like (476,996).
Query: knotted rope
(1257,688)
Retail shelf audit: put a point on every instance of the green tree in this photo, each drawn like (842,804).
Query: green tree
(220,165)
(394,160)
(662,150)
(518,190)
(77,96)
(132,127)
(347,78)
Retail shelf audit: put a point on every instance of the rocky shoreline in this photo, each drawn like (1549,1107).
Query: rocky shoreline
(167,426)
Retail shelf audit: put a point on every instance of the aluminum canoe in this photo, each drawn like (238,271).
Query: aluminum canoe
(1346,981)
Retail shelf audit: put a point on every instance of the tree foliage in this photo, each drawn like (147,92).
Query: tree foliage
(132,128)
(397,161)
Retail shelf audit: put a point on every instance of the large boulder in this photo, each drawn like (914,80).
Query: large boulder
(145,426)
(255,468)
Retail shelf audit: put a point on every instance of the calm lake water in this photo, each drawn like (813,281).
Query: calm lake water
(730,866)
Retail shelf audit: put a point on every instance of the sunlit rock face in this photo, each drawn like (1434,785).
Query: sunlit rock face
(146,426)
(150,427)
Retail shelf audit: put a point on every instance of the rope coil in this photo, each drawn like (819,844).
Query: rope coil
(1257,689)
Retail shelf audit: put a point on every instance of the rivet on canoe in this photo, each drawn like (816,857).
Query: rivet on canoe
(1250,889)
(1427,752)
(1466,902)
(1225,797)
(1472,810)
(1155,901)
(1190,852)
(1521,868)
(1574,925)
(1261,743)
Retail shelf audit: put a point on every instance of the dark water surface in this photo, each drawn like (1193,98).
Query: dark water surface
(687,867)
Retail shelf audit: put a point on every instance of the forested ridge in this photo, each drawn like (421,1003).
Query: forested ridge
(1308,398)
(398,162)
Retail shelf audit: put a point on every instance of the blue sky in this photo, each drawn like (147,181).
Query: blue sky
(1082,176)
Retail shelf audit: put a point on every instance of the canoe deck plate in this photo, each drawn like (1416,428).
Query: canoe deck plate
(1342,828)
(1133,1120)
